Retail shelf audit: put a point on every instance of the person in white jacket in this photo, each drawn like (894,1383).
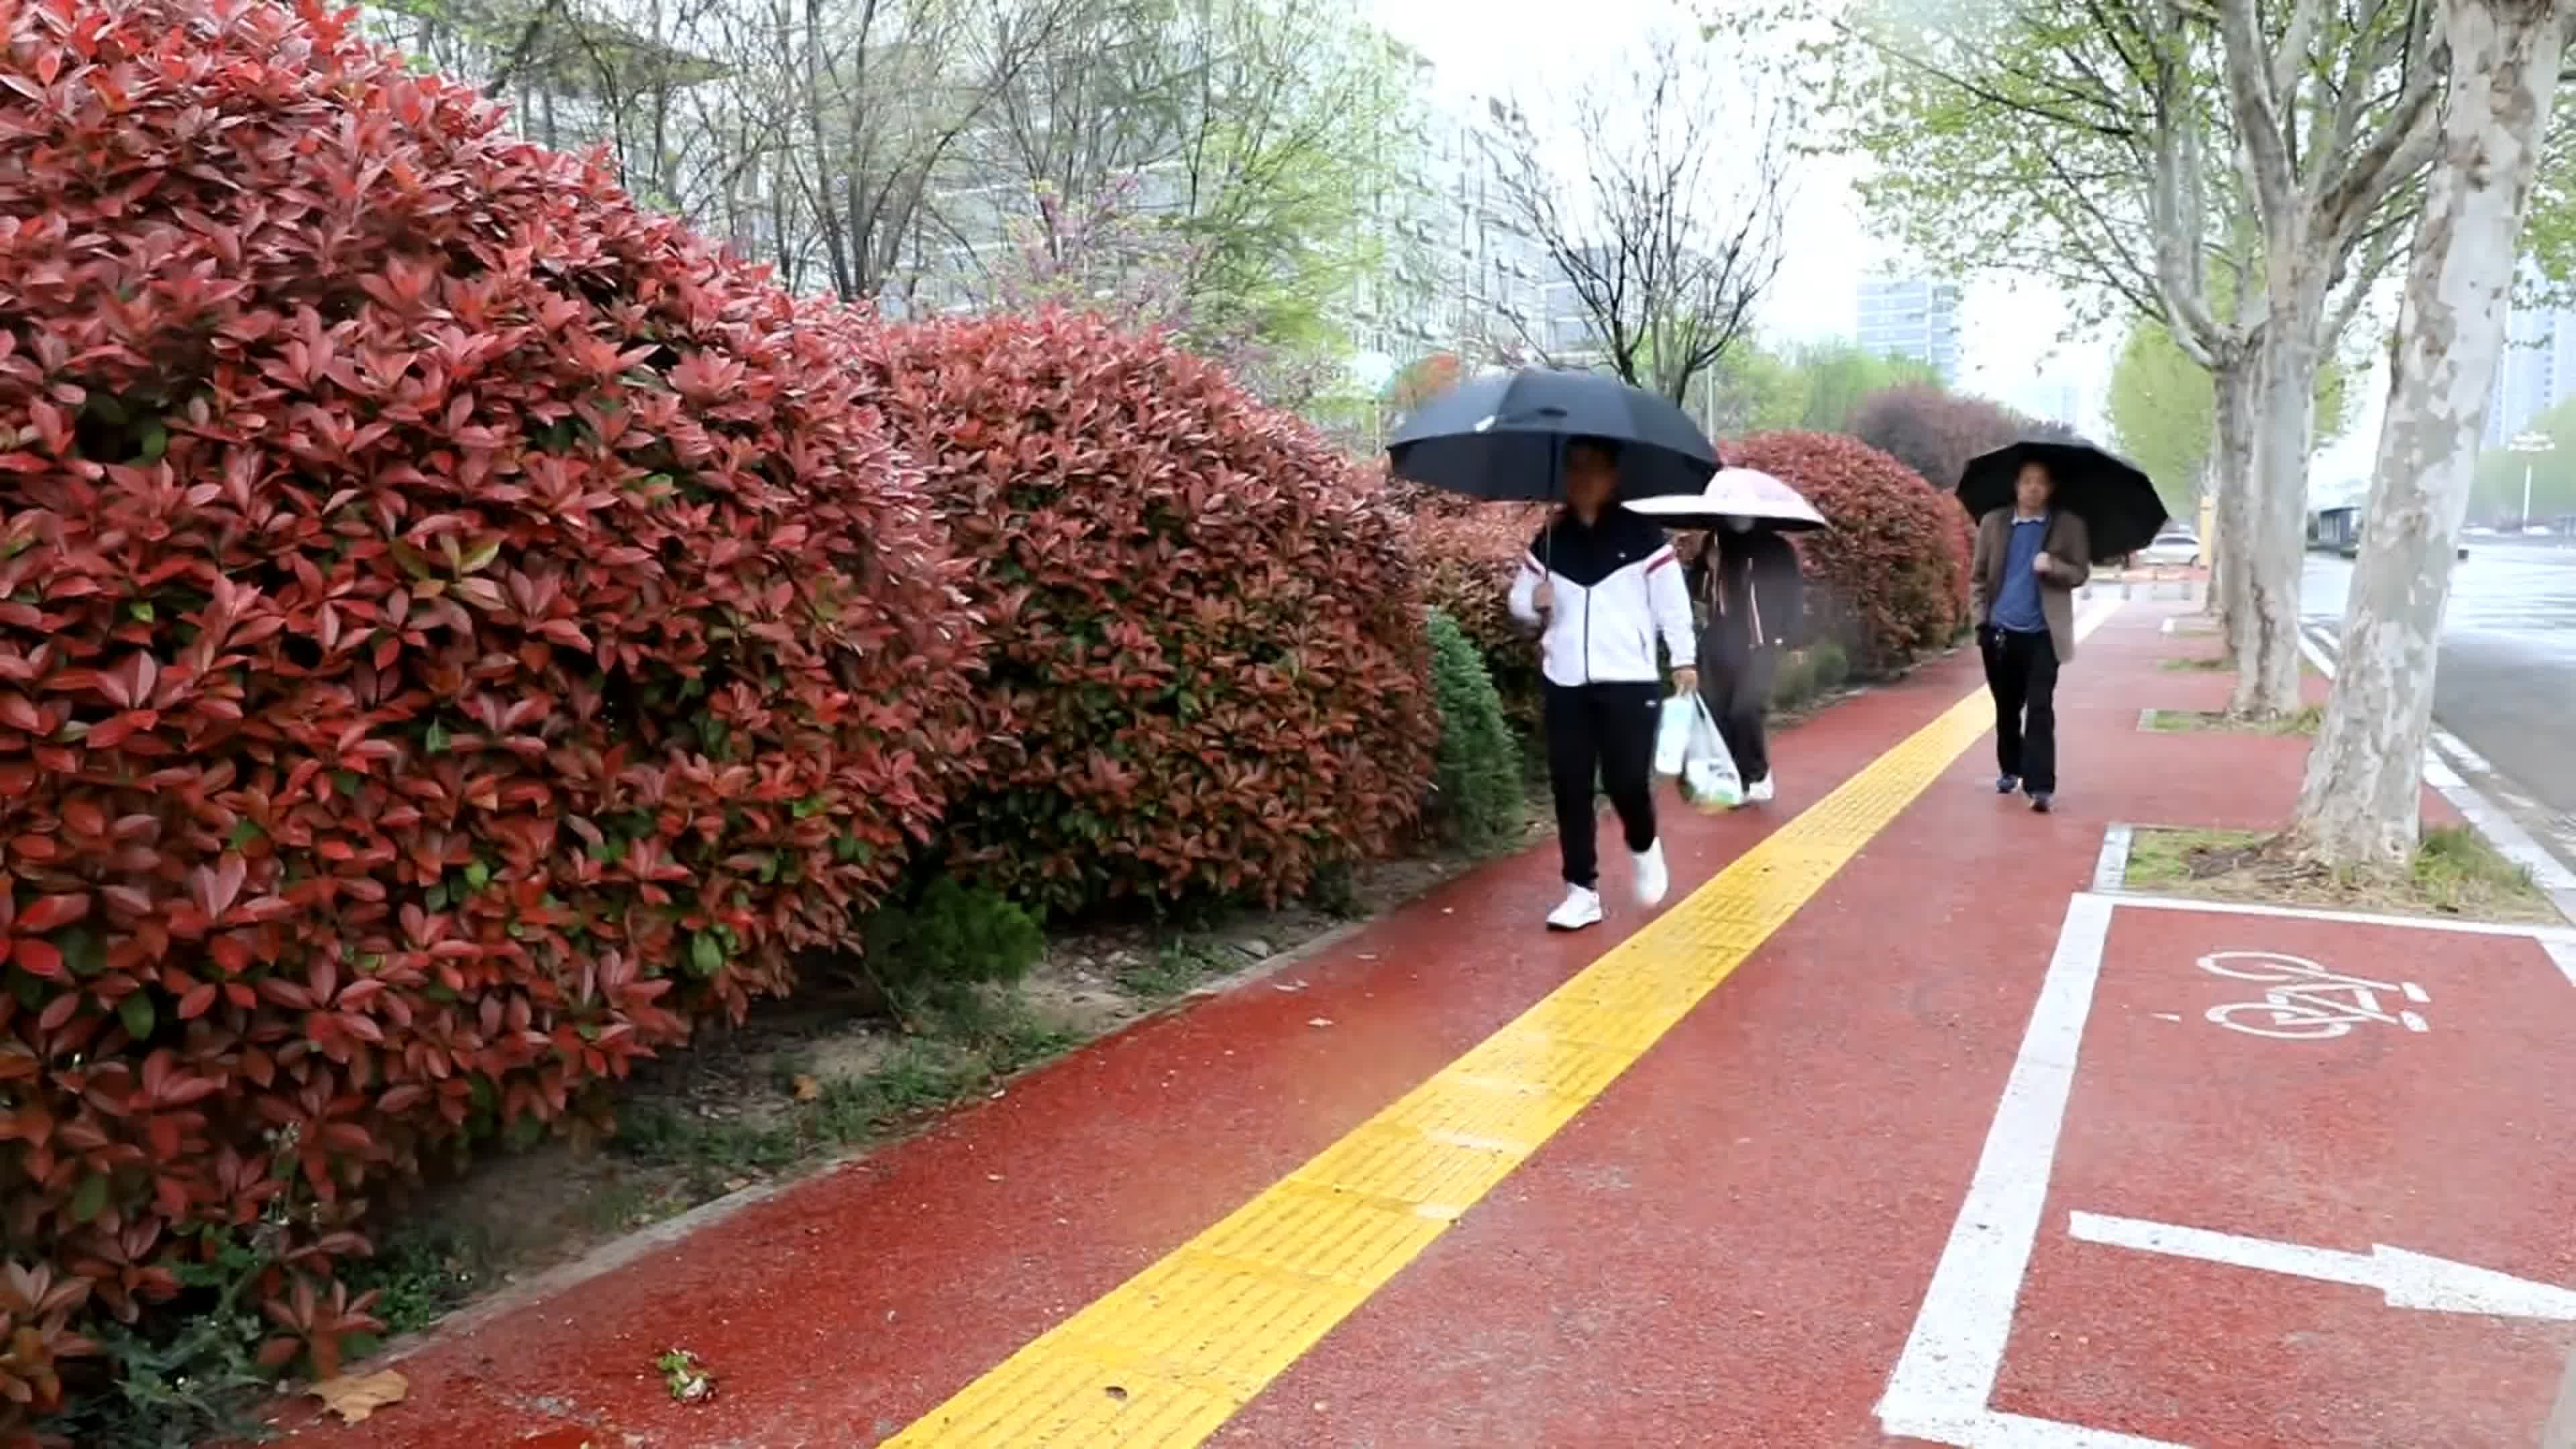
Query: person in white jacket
(1603,586)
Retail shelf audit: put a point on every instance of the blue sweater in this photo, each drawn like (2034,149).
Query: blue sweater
(2016,608)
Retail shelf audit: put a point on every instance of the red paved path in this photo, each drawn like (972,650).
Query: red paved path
(1732,1244)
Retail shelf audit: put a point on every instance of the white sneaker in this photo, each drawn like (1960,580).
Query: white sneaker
(1582,908)
(1652,879)
(1758,792)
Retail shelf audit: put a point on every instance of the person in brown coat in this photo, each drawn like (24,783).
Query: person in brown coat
(2029,561)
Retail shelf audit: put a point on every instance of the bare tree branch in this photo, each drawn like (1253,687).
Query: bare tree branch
(1666,253)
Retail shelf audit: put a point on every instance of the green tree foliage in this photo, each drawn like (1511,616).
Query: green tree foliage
(2498,495)
(1835,378)
(1815,387)
(1476,785)
(1753,390)
(2164,412)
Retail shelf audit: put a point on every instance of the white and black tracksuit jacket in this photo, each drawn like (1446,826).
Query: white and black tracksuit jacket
(1618,586)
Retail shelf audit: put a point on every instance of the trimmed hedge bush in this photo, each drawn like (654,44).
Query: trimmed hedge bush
(1208,667)
(1891,576)
(455,628)
(1934,432)
(1476,788)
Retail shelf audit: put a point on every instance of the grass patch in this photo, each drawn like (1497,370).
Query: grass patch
(2302,722)
(2455,873)
(2226,664)
(1174,970)
(974,1038)
(423,1271)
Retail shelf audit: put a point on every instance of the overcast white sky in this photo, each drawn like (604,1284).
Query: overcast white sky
(1529,49)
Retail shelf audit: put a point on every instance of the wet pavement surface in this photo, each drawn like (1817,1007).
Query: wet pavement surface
(2507,685)
(1973,1150)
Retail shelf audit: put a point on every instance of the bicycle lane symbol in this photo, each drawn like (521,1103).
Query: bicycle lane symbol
(2303,1001)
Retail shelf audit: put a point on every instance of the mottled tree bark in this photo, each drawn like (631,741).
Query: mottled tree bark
(2263,627)
(2230,480)
(2361,800)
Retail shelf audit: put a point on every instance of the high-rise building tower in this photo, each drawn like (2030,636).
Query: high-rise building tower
(1912,317)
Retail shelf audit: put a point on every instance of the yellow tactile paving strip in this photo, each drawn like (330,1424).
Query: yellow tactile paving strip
(1164,1359)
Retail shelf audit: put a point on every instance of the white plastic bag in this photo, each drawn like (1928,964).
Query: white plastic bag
(1709,777)
(1673,732)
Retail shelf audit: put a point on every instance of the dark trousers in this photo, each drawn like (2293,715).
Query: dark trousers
(1736,686)
(2021,673)
(1603,731)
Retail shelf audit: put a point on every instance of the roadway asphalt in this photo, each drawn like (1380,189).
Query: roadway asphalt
(2507,684)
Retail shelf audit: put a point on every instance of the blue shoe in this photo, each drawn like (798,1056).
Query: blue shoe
(2006,784)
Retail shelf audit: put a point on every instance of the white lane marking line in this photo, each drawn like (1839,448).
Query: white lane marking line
(1951,1359)
(2444,925)
(2020,1431)
(2563,953)
(2405,1279)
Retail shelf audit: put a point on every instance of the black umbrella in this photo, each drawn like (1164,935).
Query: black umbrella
(2113,496)
(1503,437)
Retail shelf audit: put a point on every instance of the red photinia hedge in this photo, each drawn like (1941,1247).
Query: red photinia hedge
(1891,575)
(1469,558)
(453,628)
(1208,665)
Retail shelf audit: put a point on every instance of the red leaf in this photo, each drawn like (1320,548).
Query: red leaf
(39,958)
(52,913)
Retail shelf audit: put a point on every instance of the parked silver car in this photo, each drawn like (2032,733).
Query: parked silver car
(2173,546)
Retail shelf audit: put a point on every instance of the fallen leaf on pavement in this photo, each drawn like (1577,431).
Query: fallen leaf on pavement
(354,1396)
(1321,1021)
(807,1089)
(686,1378)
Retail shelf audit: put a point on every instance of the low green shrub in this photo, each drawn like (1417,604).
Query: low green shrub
(1795,681)
(949,937)
(1476,777)
(1832,665)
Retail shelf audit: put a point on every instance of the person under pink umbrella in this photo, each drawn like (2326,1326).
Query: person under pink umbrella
(1748,582)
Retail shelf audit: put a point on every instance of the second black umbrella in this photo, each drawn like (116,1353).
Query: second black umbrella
(2114,497)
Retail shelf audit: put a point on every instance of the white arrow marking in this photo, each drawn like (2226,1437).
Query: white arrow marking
(2407,1280)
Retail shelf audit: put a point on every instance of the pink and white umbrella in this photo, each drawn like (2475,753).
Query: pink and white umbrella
(1733,493)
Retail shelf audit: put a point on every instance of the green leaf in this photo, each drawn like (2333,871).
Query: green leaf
(137,1014)
(156,441)
(481,558)
(91,1199)
(478,875)
(140,609)
(243,833)
(437,739)
(706,955)
(83,954)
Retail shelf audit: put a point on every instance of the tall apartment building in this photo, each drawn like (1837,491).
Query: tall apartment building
(1461,272)
(2537,371)
(1912,317)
